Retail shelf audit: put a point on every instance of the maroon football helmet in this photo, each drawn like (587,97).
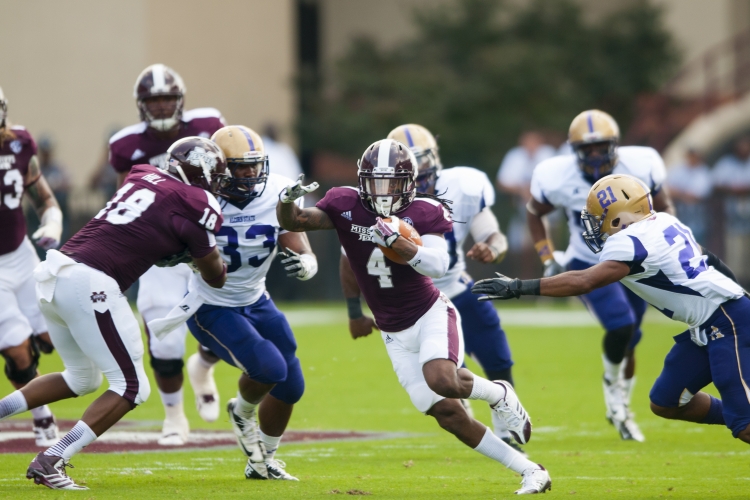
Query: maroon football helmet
(387,174)
(197,161)
(3,108)
(159,80)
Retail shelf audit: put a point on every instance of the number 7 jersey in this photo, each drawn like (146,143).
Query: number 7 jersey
(152,216)
(668,269)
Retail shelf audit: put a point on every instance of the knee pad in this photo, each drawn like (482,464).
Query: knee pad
(616,342)
(27,374)
(290,390)
(82,383)
(264,363)
(167,367)
(506,375)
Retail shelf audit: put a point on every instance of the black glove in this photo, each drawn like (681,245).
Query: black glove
(296,265)
(504,288)
(178,258)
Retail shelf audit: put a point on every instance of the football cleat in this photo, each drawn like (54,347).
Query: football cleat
(513,413)
(45,432)
(50,472)
(204,387)
(248,439)
(175,432)
(630,431)
(276,470)
(534,480)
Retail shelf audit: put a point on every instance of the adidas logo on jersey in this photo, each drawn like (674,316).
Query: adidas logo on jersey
(347,215)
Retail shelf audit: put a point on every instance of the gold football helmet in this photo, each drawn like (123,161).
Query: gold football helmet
(594,135)
(422,143)
(247,161)
(614,202)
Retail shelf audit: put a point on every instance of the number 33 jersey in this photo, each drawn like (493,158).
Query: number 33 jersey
(152,216)
(668,269)
(247,241)
(15,155)
(397,294)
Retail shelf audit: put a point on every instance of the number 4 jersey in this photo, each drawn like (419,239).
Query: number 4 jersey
(397,294)
(15,154)
(152,216)
(668,270)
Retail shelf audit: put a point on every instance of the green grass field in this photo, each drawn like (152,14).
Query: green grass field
(351,386)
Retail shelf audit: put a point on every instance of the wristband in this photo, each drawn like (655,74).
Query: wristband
(544,248)
(530,287)
(354,308)
(498,254)
(219,277)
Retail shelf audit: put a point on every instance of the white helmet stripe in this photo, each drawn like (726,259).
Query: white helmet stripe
(160,82)
(384,153)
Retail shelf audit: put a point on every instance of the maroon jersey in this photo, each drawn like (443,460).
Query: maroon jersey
(138,144)
(396,294)
(152,216)
(14,164)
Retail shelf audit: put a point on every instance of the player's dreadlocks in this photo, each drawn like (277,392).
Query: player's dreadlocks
(446,203)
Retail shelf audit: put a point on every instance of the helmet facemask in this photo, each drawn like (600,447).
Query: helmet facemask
(161,124)
(592,235)
(243,189)
(429,170)
(596,159)
(387,194)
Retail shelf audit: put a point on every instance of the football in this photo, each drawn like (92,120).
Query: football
(407,231)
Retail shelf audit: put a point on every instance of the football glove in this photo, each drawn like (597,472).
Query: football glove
(384,233)
(303,267)
(290,193)
(178,258)
(504,288)
(49,232)
(552,268)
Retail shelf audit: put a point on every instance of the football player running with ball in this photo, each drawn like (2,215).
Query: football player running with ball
(154,215)
(23,331)
(472,195)
(240,323)
(419,326)
(160,96)
(563,182)
(656,257)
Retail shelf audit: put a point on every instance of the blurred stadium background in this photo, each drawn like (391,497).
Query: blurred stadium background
(328,77)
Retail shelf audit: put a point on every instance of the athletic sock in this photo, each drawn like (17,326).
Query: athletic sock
(499,427)
(205,364)
(41,412)
(493,447)
(243,408)
(74,441)
(627,388)
(12,404)
(611,370)
(715,415)
(486,391)
(270,444)
(172,402)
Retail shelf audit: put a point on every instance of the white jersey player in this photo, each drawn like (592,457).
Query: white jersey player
(241,325)
(564,182)
(656,256)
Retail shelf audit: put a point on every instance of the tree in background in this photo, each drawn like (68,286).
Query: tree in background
(479,72)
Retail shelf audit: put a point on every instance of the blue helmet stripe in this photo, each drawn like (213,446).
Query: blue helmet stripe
(409,140)
(249,139)
(590,122)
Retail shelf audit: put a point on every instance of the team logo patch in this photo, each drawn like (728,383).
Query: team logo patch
(408,220)
(199,154)
(98,297)
(716,334)
(16,146)
(185,307)
(362,231)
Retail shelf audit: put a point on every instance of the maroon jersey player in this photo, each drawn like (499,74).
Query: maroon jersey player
(154,215)
(23,331)
(420,327)
(160,96)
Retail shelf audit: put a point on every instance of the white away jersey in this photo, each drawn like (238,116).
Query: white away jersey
(559,182)
(247,242)
(668,269)
(471,191)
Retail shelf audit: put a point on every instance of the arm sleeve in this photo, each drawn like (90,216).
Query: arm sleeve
(199,241)
(431,258)
(718,264)
(483,225)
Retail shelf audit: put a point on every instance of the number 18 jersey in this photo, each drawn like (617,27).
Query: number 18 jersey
(668,269)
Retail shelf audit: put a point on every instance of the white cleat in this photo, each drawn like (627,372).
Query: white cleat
(45,432)
(174,432)
(618,413)
(535,480)
(204,387)
(629,430)
(248,439)
(276,470)
(510,409)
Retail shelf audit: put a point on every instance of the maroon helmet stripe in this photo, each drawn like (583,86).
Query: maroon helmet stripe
(122,356)
(453,342)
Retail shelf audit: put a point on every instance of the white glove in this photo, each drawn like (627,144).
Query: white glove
(297,190)
(49,232)
(384,233)
(303,267)
(698,336)
(552,268)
